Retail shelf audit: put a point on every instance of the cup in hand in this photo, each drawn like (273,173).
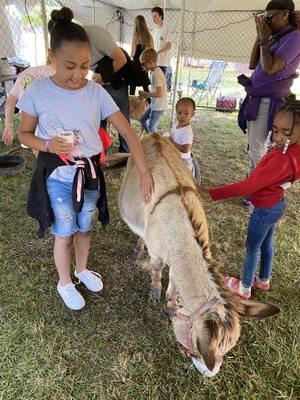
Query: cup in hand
(68,136)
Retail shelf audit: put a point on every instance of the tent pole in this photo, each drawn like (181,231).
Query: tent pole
(94,12)
(179,51)
(45,26)
(192,55)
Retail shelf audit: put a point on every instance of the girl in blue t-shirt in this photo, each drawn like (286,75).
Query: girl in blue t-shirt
(67,177)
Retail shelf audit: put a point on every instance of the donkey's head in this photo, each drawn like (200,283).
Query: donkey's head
(213,333)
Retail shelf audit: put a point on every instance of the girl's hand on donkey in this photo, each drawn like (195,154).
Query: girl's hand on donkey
(59,145)
(147,186)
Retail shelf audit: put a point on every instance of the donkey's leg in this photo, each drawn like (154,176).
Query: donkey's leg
(139,249)
(172,296)
(155,286)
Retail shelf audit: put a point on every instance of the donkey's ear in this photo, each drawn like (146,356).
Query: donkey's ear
(257,309)
(206,343)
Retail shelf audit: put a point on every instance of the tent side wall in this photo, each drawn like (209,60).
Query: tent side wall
(90,12)
(18,38)
(227,36)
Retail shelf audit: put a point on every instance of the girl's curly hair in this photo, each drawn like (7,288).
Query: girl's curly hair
(291,104)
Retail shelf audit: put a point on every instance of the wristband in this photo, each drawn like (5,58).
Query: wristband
(47,142)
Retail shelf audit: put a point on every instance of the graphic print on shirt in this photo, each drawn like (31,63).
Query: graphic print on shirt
(52,124)
(30,79)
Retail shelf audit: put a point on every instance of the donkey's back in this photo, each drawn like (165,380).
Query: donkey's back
(170,176)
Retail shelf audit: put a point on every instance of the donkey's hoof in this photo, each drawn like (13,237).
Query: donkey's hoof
(172,306)
(155,293)
(136,254)
(172,313)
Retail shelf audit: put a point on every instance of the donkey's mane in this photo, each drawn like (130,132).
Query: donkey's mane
(189,192)
(187,189)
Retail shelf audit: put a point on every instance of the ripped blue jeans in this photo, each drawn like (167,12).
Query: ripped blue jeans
(66,221)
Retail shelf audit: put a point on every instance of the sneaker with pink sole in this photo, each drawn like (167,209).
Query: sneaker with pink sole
(235,286)
(261,284)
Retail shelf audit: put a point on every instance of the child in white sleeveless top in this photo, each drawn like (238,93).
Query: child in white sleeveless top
(182,134)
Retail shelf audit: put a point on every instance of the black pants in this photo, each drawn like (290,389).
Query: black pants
(121,98)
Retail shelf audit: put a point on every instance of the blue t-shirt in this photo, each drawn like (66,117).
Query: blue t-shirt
(80,111)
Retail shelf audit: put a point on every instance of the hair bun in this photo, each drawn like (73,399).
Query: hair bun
(63,15)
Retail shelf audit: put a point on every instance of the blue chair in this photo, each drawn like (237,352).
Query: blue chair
(207,89)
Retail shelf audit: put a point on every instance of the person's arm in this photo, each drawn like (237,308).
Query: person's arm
(183,148)
(152,42)
(8,133)
(119,59)
(270,63)
(27,128)
(276,170)
(166,47)
(96,77)
(133,48)
(146,182)
(158,93)
(254,58)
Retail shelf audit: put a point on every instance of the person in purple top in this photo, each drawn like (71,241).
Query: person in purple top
(274,59)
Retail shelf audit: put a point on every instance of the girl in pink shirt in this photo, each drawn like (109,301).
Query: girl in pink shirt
(25,79)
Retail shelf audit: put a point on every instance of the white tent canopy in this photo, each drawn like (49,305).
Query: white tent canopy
(213,29)
(195,5)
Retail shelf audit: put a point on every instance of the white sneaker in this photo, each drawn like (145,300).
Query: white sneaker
(91,279)
(71,297)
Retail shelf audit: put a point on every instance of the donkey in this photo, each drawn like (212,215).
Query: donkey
(173,226)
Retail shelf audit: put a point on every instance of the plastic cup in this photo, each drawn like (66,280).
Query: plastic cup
(68,136)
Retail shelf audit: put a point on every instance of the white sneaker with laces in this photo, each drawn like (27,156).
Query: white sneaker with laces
(71,297)
(91,279)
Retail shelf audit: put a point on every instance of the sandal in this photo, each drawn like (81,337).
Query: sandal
(260,284)
(235,286)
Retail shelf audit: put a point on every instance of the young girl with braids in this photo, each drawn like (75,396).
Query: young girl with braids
(277,170)
(68,183)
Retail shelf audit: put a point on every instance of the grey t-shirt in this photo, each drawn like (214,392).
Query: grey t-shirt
(80,111)
(102,43)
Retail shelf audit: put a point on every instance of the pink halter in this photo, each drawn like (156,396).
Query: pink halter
(186,325)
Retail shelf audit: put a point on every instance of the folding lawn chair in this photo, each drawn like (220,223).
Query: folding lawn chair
(207,89)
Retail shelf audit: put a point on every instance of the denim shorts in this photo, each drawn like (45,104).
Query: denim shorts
(66,221)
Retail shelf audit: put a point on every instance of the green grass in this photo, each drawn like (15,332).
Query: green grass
(229,85)
(121,345)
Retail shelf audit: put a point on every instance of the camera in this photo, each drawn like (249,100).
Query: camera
(268,19)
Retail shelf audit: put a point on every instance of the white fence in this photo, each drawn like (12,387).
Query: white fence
(212,36)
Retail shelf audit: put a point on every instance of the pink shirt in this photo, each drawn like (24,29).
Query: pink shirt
(28,77)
